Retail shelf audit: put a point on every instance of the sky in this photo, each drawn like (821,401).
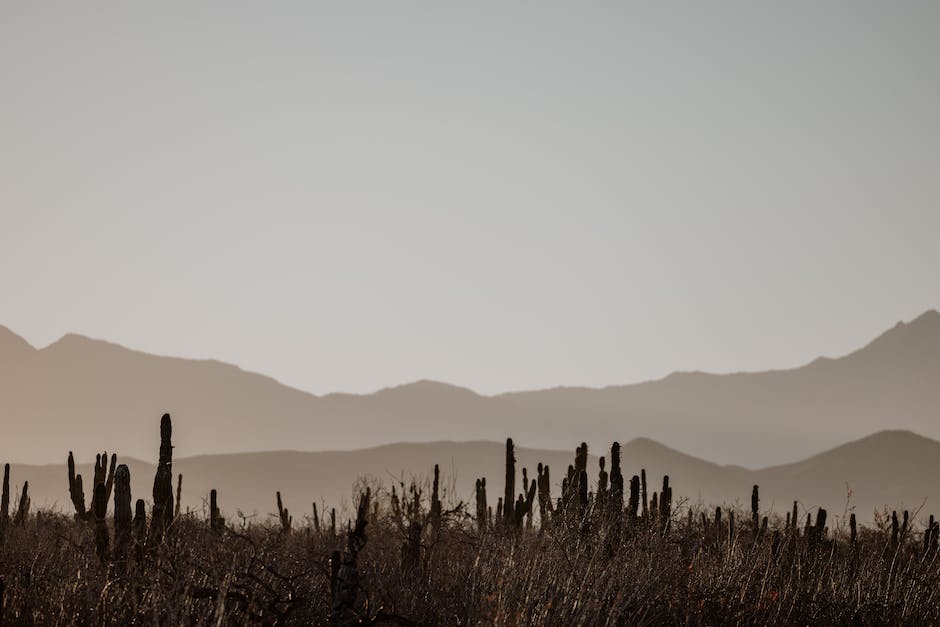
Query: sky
(501,195)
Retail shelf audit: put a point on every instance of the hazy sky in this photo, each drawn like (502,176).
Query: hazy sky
(500,195)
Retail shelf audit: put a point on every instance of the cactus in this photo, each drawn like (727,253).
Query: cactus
(793,519)
(582,491)
(284,515)
(481,504)
(5,499)
(163,483)
(345,584)
(102,540)
(217,523)
(895,528)
(316,515)
(122,513)
(22,512)
(853,532)
(436,509)
(665,505)
(544,494)
(76,492)
(634,502)
(104,475)
(333,522)
(140,521)
(510,487)
(755,507)
(602,484)
(645,512)
(616,481)
(523,507)
(179,494)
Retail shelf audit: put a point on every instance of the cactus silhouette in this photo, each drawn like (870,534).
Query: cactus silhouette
(284,515)
(615,498)
(163,483)
(102,540)
(5,499)
(510,485)
(122,513)
(22,512)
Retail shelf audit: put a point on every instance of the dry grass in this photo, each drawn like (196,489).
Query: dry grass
(575,571)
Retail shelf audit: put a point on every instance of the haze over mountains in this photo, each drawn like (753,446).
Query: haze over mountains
(893,468)
(84,395)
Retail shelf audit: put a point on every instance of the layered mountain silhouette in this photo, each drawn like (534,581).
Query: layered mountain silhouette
(84,395)
(897,469)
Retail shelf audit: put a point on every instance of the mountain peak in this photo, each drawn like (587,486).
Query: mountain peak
(12,346)
(429,387)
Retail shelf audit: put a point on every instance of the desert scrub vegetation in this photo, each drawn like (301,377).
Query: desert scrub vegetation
(595,549)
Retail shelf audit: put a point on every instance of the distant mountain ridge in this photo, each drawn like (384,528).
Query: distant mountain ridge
(894,469)
(84,394)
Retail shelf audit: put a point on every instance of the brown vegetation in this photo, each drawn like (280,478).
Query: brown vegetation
(591,556)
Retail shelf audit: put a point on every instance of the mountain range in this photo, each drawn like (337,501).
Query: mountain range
(85,395)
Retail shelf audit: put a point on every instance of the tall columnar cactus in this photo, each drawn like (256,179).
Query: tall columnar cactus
(853,531)
(122,513)
(819,531)
(602,483)
(665,505)
(283,514)
(104,475)
(582,493)
(928,533)
(643,493)
(102,540)
(615,499)
(509,491)
(895,528)
(345,584)
(544,494)
(163,483)
(179,494)
(140,522)
(22,512)
(436,508)
(634,502)
(755,508)
(217,523)
(481,509)
(5,498)
(76,491)
(523,507)
(580,458)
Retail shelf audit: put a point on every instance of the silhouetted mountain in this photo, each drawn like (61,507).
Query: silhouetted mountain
(890,468)
(82,394)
